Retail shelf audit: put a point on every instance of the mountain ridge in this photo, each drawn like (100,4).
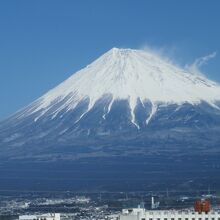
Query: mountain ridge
(104,129)
(127,74)
(115,97)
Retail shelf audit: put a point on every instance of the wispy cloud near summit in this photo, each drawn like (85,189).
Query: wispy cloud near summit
(199,62)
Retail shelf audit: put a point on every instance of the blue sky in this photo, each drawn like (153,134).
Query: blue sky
(43,42)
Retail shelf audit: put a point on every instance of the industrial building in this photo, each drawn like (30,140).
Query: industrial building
(142,214)
(202,211)
(48,216)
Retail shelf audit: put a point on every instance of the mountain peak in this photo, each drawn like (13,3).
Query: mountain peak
(122,50)
(127,74)
(122,53)
(119,52)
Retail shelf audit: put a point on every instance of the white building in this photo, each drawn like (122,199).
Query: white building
(143,214)
(49,216)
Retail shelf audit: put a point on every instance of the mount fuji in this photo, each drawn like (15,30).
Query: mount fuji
(128,104)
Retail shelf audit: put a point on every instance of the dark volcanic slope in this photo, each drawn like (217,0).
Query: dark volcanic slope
(128,121)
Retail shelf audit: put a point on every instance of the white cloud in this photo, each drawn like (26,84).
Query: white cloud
(167,53)
(199,62)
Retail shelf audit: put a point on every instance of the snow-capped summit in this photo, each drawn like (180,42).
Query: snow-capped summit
(122,92)
(127,74)
(129,110)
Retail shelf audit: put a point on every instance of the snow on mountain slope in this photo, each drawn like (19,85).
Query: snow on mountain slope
(131,75)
